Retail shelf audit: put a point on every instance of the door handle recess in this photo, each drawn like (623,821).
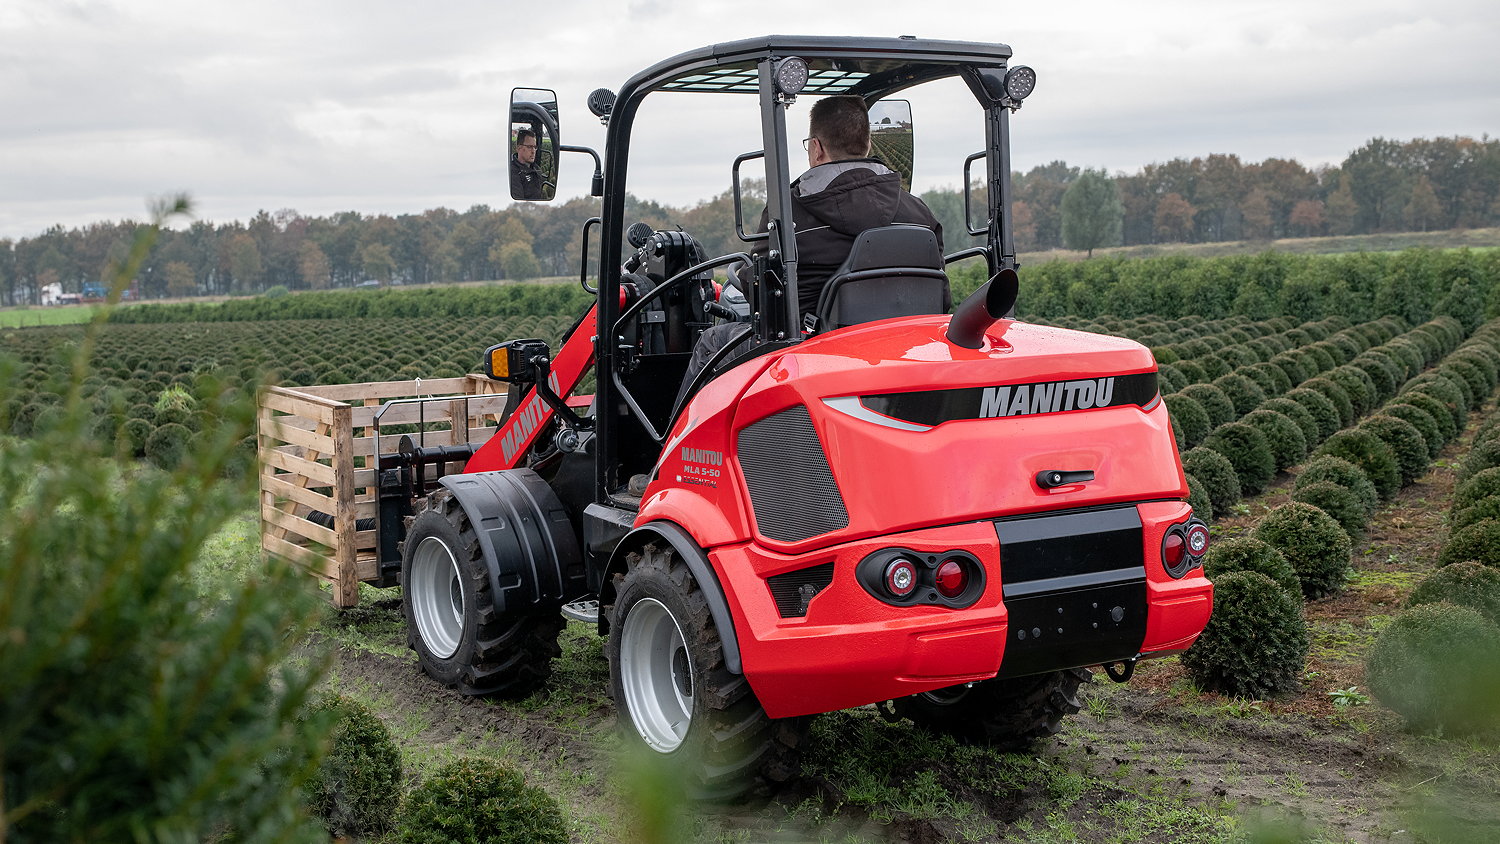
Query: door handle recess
(1052,478)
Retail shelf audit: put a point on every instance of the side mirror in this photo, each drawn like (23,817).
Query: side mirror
(534,144)
(891,137)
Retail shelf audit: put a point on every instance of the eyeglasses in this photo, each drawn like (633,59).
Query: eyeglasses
(807,144)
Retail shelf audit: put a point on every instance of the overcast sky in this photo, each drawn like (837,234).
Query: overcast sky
(385,107)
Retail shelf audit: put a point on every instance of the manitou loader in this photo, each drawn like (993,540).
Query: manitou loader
(949,515)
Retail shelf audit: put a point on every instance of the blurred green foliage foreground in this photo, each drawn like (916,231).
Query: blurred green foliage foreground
(135,705)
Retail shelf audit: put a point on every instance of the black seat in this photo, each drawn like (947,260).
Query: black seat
(891,271)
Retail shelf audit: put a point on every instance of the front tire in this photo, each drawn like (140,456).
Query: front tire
(673,692)
(1008,714)
(461,639)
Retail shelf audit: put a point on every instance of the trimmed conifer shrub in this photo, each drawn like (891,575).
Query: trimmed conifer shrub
(1438,667)
(1255,644)
(1189,416)
(1336,394)
(1382,372)
(1406,444)
(1422,421)
(1481,456)
(168,445)
(1171,378)
(1370,454)
(1213,365)
(1312,542)
(1466,378)
(1358,385)
(477,801)
(1472,585)
(1479,543)
(1441,414)
(357,788)
(1442,388)
(1192,371)
(1322,409)
(1219,407)
(1300,416)
(1285,439)
(1220,482)
(1291,364)
(1337,501)
(1198,498)
(1243,392)
(1478,511)
(1246,448)
(1488,366)
(1323,360)
(1246,553)
(1484,484)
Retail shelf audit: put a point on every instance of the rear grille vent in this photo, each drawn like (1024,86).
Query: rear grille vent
(795,589)
(792,490)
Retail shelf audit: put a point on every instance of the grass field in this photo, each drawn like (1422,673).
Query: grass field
(59,315)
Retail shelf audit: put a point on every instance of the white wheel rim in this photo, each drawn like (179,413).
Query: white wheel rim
(656,673)
(437,600)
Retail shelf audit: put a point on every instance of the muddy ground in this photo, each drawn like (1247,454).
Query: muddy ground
(1153,760)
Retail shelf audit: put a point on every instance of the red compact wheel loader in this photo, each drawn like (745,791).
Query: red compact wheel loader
(950,515)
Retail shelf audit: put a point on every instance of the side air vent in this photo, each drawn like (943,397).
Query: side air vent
(793,590)
(791,487)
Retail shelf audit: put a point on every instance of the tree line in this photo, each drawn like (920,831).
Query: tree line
(1385,185)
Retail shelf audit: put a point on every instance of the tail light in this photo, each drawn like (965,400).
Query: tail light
(903,577)
(900,577)
(1183,547)
(951,579)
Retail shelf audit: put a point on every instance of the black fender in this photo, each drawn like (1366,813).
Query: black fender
(530,546)
(697,562)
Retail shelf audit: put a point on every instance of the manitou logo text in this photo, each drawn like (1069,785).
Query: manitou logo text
(1024,399)
(532,413)
(702,455)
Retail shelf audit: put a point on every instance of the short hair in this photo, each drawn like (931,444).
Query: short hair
(842,125)
(523,134)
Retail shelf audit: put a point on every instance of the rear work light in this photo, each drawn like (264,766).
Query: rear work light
(1183,547)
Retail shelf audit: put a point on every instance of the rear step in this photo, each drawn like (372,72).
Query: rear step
(586,610)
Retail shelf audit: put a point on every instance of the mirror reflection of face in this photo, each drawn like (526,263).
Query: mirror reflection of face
(526,149)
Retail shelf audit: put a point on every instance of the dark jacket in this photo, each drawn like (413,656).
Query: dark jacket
(526,180)
(831,204)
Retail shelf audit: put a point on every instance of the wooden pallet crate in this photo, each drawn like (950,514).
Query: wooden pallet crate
(317,456)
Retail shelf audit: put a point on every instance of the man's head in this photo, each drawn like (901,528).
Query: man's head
(838,128)
(525,146)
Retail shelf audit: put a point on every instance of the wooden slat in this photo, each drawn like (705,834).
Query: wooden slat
(306,558)
(365,446)
(390,389)
(364,539)
(307,469)
(296,436)
(367,568)
(308,407)
(301,527)
(277,488)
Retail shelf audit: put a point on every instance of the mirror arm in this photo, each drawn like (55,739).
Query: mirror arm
(598,185)
(971,252)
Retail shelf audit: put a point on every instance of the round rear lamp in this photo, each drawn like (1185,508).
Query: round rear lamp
(900,577)
(1197,539)
(952,579)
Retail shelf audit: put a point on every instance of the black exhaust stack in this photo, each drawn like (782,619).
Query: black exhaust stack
(990,302)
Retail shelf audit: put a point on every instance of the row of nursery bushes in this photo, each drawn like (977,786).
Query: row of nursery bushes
(1438,663)
(1257,640)
(151,389)
(516,299)
(1415,284)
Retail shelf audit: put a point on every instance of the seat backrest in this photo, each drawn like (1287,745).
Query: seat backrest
(891,271)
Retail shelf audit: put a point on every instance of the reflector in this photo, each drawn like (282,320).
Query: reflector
(952,579)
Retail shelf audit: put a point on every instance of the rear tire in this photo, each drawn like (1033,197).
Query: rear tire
(674,694)
(461,639)
(1008,714)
